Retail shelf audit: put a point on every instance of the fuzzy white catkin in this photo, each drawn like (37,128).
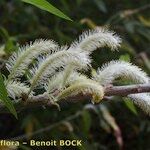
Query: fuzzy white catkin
(142,100)
(47,66)
(91,40)
(16,89)
(86,87)
(114,69)
(20,60)
(55,82)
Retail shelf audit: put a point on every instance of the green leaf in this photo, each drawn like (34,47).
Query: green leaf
(86,121)
(9,42)
(144,21)
(101,5)
(125,57)
(130,105)
(4,34)
(45,5)
(4,97)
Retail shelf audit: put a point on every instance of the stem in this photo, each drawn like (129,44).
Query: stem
(43,99)
(126,90)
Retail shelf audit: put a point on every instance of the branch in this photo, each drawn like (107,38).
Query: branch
(43,99)
(45,129)
(126,90)
(129,12)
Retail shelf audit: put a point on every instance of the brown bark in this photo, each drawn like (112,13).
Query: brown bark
(43,99)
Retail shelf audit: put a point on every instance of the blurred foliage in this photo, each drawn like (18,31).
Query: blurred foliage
(110,125)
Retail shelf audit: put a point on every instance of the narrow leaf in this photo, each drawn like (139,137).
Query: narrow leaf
(4,97)
(130,106)
(45,5)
